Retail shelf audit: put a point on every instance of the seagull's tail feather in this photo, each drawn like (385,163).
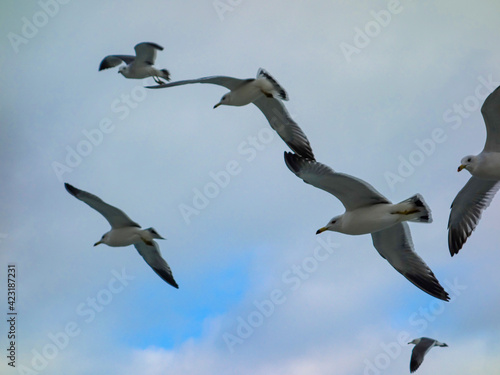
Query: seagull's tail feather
(416,209)
(280,91)
(164,73)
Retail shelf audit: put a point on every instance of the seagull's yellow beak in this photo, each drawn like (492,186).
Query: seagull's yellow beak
(98,243)
(321,230)
(461,167)
(218,104)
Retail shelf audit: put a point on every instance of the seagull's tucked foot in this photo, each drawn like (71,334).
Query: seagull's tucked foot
(407,212)
(268,94)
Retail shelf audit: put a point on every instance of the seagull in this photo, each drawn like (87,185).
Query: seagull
(422,346)
(126,232)
(140,65)
(266,93)
(479,191)
(368,211)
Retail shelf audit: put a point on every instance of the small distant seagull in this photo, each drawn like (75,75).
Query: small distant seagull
(265,92)
(479,191)
(140,65)
(368,211)
(126,232)
(422,346)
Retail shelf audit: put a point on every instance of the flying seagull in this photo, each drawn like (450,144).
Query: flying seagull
(126,232)
(368,211)
(479,191)
(140,65)
(422,346)
(266,93)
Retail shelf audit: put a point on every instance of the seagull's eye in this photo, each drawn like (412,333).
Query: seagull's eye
(469,160)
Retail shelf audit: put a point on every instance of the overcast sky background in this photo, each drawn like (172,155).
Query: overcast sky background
(424,73)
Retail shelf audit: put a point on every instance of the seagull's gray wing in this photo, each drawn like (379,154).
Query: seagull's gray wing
(288,130)
(419,351)
(146,52)
(491,115)
(152,256)
(395,245)
(115,217)
(351,191)
(466,210)
(228,82)
(115,60)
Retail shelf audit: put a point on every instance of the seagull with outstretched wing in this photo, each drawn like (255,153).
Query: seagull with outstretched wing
(126,232)
(369,212)
(138,66)
(479,191)
(267,94)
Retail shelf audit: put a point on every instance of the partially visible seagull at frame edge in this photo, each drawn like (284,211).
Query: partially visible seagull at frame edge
(138,66)
(266,93)
(126,232)
(422,346)
(479,191)
(368,211)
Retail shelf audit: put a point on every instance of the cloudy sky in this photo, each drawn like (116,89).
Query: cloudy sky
(388,91)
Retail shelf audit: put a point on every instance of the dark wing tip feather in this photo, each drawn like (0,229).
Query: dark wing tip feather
(292,162)
(154,45)
(299,148)
(71,189)
(296,162)
(430,285)
(414,365)
(460,230)
(166,276)
(104,64)
(111,61)
(457,239)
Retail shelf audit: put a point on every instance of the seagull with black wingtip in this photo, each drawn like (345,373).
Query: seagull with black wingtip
(125,232)
(369,212)
(422,346)
(267,94)
(138,66)
(479,191)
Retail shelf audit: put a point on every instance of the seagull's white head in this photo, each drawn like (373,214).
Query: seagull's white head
(122,70)
(154,234)
(226,100)
(414,341)
(104,239)
(334,225)
(469,162)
